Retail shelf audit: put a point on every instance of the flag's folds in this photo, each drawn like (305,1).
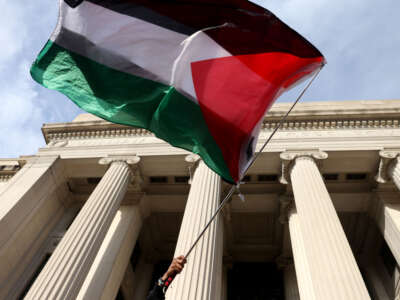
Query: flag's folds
(200,74)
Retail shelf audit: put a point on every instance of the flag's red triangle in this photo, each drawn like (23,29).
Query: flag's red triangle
(234,93)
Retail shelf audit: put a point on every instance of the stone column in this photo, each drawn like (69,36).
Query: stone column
(302,268)
(108,269)
(332,268)
(32,203)
(387,215)
(142,279)
(389,167)
(285,261)
(63,275)
(202,276)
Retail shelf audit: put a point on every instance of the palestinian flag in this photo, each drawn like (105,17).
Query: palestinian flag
(199,74)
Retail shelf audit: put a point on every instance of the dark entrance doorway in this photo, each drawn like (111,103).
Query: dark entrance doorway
(255,281)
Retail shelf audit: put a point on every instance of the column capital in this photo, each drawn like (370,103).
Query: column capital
(289,157)
(129,159)
(73,255)
(132,160)
(193,160)
(387,157)
(286,205)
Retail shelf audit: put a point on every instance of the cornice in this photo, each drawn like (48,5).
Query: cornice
(103,129)
(66,133)
(312,124)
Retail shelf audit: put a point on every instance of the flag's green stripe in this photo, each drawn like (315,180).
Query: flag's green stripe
(126,99)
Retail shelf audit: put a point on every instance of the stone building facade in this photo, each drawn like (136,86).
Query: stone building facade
(101,209)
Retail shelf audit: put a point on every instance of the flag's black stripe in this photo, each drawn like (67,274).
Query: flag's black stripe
(239,26)
(147,14)
(79,44)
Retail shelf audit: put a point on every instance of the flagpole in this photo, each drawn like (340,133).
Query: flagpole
(252,160)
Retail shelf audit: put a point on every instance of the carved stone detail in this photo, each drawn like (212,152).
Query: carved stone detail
(132,161)
(193,160)
(289,157)
(331,124)
(129,159)
(58,143)
(290,125)
(387,158)
(5,178)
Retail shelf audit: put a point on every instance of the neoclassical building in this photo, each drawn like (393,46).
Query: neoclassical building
(99,212)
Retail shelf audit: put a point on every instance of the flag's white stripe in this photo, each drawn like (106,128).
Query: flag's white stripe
(166,54)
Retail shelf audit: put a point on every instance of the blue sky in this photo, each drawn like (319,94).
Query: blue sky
(359,38)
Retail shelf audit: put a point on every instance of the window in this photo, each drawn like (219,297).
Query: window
(182,179)
(356,176)
(93,180)
(330,177)
(267,177)
(158,179)
(246,178)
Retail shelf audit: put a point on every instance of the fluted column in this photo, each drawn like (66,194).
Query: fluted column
(108,269)
(302,268)
(389,167)
(332,267)
(394,171)
(202,275)
(387,214)
(32,203)
(142,279)
(63,275)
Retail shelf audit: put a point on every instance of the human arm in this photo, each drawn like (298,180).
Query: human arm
(175,268)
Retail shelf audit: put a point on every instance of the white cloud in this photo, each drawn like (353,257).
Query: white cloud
(25,106)
(359,40)
(9,27)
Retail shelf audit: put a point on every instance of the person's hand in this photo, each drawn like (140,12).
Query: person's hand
(176,267)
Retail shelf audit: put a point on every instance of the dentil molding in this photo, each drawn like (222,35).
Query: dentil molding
(56,137)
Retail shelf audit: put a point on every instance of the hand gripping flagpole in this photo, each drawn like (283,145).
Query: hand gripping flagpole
(236,187)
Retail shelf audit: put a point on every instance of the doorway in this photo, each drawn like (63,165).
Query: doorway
(255,281)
